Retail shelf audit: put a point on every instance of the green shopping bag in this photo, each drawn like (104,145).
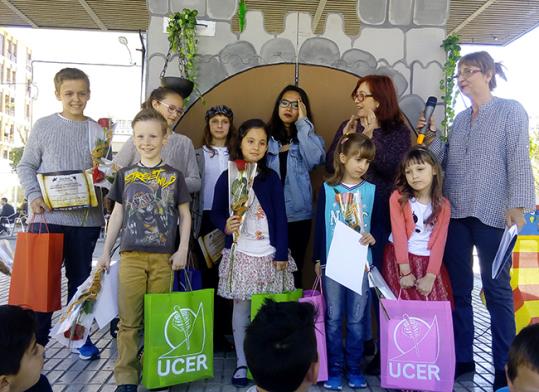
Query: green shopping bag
(288,296)
(178,338)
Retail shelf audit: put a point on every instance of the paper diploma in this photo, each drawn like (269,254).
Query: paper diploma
(67,190)
(347,258)
(212,245)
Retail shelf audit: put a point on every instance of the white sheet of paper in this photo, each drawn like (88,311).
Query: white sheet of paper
(106,305)
(347,258)
(507,243)
(377,280)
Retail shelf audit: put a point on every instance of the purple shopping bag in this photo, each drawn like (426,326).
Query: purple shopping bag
(417,345)
(316,298)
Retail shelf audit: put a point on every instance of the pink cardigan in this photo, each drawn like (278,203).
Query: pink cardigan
(402,227)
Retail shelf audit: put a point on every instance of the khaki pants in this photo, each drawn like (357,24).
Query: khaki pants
(140,273)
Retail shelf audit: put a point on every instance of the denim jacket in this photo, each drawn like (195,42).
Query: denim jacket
(303,157)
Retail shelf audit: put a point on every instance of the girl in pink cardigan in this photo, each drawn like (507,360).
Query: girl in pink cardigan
(419,221)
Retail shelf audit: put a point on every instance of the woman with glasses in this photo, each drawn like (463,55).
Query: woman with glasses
(294,150)
(379,118)
(489,182)
(178,152)
(212,159)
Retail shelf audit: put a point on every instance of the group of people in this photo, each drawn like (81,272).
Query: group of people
(423,209)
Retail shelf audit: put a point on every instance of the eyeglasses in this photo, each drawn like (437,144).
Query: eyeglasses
(285,103)
(466,73)
(361,96)
(172,109)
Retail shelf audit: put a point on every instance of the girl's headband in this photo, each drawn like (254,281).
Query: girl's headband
(220,109)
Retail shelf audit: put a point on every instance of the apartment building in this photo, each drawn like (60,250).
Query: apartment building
(15,105)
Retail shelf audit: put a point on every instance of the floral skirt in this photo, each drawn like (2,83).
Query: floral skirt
(247,275)
(441,289)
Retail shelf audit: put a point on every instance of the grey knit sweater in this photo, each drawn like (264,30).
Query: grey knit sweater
(58,144)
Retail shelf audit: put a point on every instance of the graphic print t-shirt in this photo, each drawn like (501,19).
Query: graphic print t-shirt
(150,199)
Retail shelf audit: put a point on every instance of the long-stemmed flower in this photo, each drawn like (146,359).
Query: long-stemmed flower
(241,175)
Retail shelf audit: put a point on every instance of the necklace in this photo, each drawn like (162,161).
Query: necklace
(150,167)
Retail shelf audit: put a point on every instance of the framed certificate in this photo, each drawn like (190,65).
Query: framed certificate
(68,190)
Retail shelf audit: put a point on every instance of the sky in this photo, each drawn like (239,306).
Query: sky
(521,59)
(116,91)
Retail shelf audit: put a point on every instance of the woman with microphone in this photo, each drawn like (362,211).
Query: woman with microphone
(489,182)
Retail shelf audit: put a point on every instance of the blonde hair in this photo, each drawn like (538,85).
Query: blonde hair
(348,145)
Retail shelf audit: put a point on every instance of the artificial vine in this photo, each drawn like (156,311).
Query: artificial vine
(447,84)
(242,11)
(181,31)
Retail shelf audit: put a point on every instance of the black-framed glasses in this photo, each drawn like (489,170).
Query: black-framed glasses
(361,96)
(466,73)
(172,109)
(285,103)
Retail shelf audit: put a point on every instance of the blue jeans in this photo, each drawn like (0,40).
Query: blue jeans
(344,304)
(462,236)
(79,245)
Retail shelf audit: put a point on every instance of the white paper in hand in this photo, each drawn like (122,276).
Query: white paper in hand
(106,304)
(505,249)
(347,258)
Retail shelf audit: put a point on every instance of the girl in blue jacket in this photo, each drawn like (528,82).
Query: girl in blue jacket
(261,262)
(294,151)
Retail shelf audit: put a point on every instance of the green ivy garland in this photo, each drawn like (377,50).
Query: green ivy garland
(447,84)
(181,31)
(242,11)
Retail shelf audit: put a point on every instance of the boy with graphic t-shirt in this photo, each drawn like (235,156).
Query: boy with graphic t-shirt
(149,198)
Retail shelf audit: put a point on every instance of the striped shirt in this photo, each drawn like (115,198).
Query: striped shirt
(58,144)
(486,162)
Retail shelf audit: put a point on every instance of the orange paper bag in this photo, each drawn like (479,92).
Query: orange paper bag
(37,271)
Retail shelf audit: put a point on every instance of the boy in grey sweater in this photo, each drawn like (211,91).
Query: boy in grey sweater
(63,142)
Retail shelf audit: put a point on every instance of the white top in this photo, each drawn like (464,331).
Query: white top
(254,236)
(215,162)
(419,240)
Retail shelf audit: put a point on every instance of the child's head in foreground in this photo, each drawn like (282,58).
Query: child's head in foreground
(523,365)
(280,347)
(21,358)
(149,134)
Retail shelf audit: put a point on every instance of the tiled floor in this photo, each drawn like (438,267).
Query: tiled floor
(69,374)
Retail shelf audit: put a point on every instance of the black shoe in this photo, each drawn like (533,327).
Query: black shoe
(462,368)
(500,380)
(373,368)
(126,388)
(369,348)
(239,382)
(114,327)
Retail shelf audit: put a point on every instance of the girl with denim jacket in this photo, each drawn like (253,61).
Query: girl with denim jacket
(294,150)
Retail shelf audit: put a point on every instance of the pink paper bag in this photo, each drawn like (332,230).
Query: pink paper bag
(417,345)
(316,298)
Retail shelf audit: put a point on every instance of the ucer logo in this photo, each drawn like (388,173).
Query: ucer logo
(415,351)
(185,333)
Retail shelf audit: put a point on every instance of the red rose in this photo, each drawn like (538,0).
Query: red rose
(240,164)
(104,122)
(78,333)
(97,175)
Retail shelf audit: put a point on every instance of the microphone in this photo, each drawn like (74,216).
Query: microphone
(429,109)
